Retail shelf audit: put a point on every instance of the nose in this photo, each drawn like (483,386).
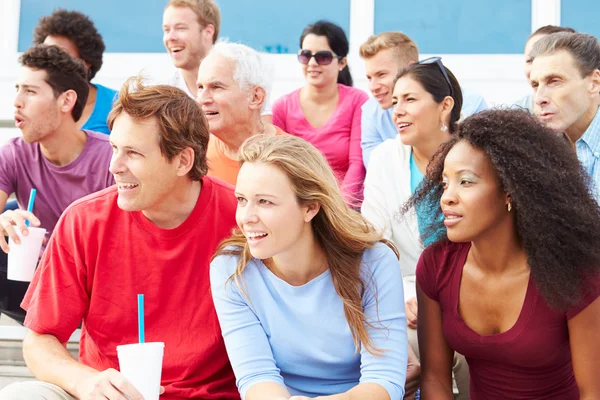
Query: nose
(398,110)
(313,61)
(171,34)
(540,96)
(247,214)
(373,84)
(203,97)
(116,164)
(18,102)
(448,196)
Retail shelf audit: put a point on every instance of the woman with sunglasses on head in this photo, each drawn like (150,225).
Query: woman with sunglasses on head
(513,282)
(307,295)
(427,101)
(326,111)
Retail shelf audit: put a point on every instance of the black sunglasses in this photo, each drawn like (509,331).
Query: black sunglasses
(438,61)
(323,57)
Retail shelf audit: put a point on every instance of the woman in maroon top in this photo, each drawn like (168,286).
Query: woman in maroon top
(513,283)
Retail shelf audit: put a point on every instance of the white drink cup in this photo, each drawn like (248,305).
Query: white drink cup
(141,364)
(23,257)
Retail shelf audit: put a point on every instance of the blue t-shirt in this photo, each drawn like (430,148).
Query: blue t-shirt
(105,98)
(298,336)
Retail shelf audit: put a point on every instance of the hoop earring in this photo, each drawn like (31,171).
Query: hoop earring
(509,207)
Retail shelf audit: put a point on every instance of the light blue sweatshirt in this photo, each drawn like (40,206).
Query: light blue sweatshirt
(298,336)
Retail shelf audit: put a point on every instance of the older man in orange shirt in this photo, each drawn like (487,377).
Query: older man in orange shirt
(233,86)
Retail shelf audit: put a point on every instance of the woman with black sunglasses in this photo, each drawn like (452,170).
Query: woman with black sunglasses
(326,112)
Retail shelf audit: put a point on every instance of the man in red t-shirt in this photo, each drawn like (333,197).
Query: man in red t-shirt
(153,233)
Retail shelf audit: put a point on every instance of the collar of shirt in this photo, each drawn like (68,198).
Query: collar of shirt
(591,136)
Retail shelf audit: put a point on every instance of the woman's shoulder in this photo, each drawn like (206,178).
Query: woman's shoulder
(391,150)
(226,261)
(382,255)
(437,263)
(287,99)
(355,95)
(444,252)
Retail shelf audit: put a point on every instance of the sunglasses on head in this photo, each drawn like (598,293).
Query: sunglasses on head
(438,61)
(323,57)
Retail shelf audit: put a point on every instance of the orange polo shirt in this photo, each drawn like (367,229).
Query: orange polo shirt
(222,167)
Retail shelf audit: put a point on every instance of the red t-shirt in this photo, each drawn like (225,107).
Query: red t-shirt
(530,361)
(100,257)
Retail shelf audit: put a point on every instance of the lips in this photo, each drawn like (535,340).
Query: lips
(210,113)
(401,126)
(546,115)
(380,96)
(451,218)
(127,186)
(254,237)
(19,121)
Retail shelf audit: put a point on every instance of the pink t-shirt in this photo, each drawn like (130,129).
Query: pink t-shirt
(23,167)
(532,360)
(338,139)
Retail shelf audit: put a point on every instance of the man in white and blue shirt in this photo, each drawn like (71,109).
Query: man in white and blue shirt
(385,55)
(565,76)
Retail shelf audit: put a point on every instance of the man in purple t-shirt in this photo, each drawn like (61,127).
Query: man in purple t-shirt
(62,162)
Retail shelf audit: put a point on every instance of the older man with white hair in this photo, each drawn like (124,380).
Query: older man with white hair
(233,86)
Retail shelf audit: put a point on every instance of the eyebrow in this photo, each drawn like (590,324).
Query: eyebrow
(126,147)
(379,71)
(257,195)
(175,24)
(406,94)
(217,83)
(460,171)
(546,77)
(26,86)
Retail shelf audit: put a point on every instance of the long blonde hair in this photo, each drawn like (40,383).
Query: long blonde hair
(342,233)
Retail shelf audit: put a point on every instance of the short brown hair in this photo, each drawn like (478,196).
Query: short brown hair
(207,11)
(63,73)
(550,29)
(404,47)
(584,48)
(181,123)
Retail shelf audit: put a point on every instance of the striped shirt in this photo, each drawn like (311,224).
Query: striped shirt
(588,152)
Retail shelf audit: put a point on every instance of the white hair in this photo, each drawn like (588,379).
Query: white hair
(250,69)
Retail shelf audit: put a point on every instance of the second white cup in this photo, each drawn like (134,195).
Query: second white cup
(23,257)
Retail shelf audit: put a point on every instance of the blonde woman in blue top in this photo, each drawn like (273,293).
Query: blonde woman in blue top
(309,299)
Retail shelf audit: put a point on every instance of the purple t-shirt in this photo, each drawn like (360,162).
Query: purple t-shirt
(23,167)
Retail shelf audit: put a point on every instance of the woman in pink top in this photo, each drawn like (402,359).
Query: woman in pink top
(515,285)
(326,112)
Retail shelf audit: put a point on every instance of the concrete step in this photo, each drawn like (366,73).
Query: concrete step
(13,373)
(12,364)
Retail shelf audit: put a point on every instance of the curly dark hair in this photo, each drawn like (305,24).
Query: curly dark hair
(557,217)
(79,29)
(63,73)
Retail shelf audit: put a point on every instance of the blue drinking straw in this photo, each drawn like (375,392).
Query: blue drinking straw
(31,201)
(141,317)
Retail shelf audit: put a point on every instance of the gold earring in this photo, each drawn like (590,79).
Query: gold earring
(509,207)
